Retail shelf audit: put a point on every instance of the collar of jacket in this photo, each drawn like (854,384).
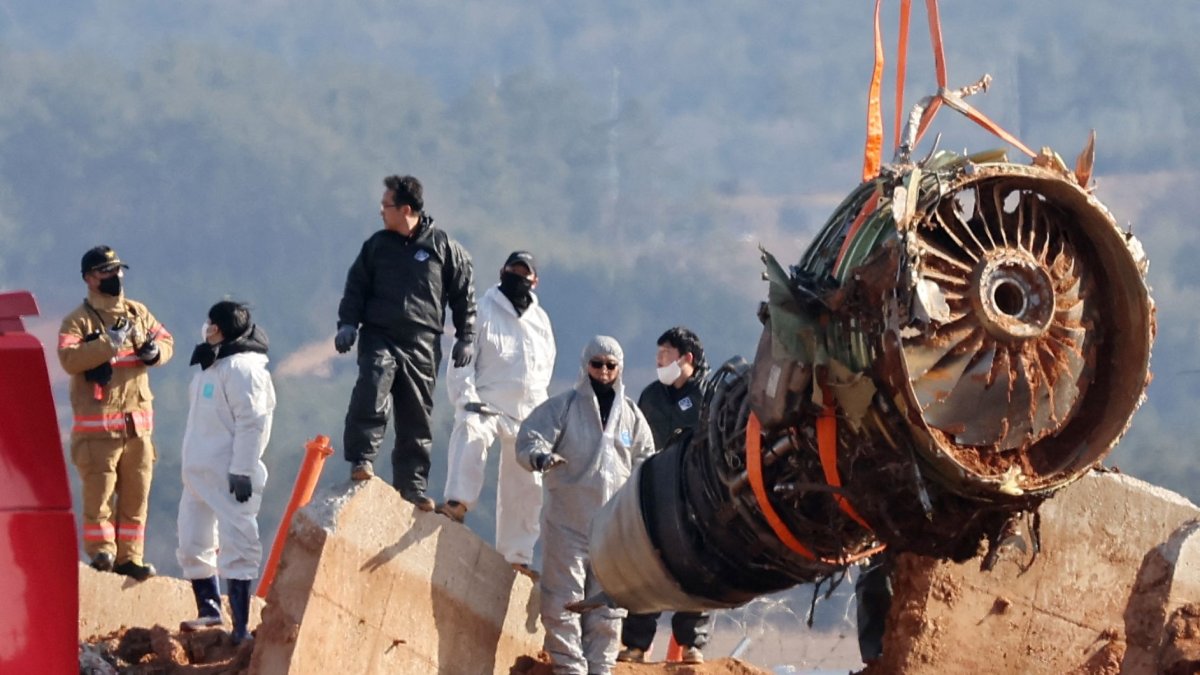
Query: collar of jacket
(107,303)
(253,341)
(506,302)
(421,231)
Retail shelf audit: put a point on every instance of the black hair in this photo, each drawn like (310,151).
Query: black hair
(406,190)
(232,318)
(686,342)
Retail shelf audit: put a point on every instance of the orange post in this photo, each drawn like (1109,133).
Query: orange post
(316,451)
(674,651)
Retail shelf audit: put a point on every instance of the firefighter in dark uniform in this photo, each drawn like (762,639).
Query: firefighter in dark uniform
(671,405)
(107,345)
(396,295)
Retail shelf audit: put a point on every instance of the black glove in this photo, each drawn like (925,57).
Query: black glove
(148,352)
(480,408)
(547,461)
(101,374)
(463,352)
(240,487)
(344,339)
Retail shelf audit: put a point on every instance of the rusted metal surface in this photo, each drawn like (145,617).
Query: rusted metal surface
(1004,321)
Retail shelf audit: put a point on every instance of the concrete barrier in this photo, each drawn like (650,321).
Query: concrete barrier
(368,585)
(108,602)
(1096,598)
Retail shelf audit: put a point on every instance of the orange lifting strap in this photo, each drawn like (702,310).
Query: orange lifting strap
(873,150)
(754,473)
(827,448)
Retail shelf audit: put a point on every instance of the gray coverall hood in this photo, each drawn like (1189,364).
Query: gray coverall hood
(602,345)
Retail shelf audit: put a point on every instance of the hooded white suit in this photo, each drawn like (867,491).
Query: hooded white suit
(600,459)
(510,373)
(229,424)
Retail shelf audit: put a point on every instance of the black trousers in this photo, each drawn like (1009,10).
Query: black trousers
(395,377)
(873,591)
(689,628)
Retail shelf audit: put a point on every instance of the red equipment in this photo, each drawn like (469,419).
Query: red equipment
(39,565)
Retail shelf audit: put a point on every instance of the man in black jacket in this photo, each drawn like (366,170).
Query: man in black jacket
(671,405)
(397,291)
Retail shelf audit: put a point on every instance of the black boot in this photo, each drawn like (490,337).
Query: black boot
(103,562)
(135,571)
(239,604)
(208,605)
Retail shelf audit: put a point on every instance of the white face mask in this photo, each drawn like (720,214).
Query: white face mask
(669,373)
(205,331)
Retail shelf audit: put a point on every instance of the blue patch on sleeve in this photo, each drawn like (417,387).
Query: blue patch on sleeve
(207,390)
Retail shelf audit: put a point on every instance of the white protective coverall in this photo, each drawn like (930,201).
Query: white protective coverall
(599,461)
(514,359)
(228,427)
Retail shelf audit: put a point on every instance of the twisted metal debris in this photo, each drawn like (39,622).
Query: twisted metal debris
(964,337)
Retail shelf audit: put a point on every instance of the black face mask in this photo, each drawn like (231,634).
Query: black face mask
(204,354)
(518,289)
(110,285)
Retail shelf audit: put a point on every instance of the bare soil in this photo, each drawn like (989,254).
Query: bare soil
(540,665)
(157,651)
(1180,654)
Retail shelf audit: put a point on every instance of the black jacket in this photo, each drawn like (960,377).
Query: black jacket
(401,285)
(667,408)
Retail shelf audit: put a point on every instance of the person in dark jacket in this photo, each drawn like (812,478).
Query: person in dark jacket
(396,294)
(671,405)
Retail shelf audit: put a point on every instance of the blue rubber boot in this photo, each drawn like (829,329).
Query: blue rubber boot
(239,604)
(208,605)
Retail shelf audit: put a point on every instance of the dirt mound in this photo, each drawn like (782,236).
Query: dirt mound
(157,651)
(541,666)
(1181,651)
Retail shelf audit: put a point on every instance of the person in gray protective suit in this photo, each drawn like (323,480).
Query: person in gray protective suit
(587,441)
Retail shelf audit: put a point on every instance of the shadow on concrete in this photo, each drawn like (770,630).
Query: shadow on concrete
(453,612)
(422,528)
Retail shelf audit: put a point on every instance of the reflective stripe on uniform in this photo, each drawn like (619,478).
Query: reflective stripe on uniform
(126,358)
(143,420)
(68,340)
(131,532)
(98,532)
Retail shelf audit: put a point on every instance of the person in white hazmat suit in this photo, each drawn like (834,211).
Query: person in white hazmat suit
(586,441)
(232,400)
(514,359)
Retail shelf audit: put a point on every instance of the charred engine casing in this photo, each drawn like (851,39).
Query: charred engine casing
(976,335)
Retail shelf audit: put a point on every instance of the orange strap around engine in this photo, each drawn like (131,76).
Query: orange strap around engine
(935,39)
(827,447)
(754,472)
(901,67)
(873,152)
(867,207)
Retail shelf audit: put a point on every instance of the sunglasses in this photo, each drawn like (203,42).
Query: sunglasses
(607,365)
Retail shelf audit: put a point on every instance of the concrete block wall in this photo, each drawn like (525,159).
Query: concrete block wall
(369,585)
(1118,558)
(108,602)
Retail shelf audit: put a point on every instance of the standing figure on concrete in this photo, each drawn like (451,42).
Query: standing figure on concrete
(232,401)
(396,292)
(587,441)
(671,406)
(107,345)
(514,359)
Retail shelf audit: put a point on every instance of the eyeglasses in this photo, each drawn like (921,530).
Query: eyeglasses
(607,365)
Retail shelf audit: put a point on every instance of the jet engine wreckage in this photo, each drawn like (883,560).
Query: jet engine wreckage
(963,338)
